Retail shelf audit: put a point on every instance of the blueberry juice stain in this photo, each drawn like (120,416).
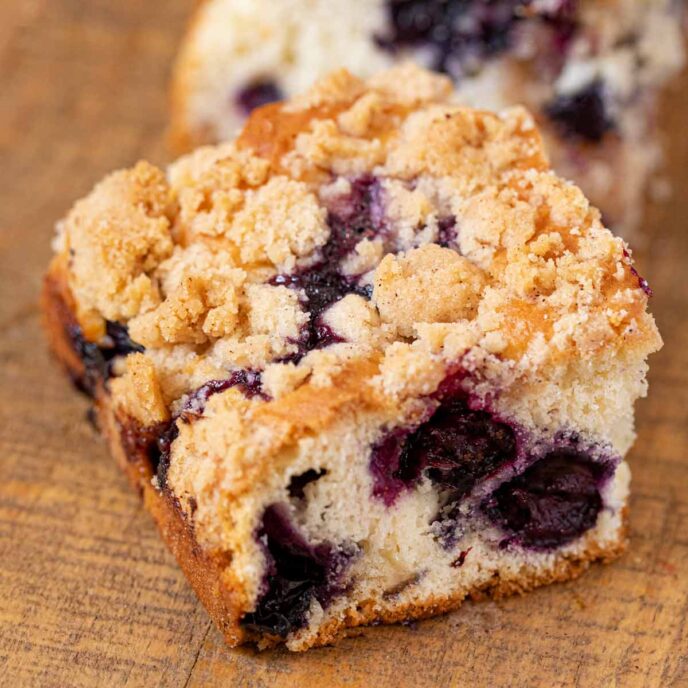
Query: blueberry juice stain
(249,382)
(455,448)
(353,217)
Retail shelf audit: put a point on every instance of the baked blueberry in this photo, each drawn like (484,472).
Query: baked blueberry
(583,114)
(552,502)
(455,448)
(256,94)
(297,574)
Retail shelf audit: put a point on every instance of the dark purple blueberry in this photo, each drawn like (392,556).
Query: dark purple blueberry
(446,234)
(323,335)
(457,32)
(323,286)
(455,448)
(95,367)
(298,483)
(351,218)
(551,503)
(354,216)
(160,450)
(118,342)
(582,115)
(257,94)
(314,335)
(250,382)
(297,573)
(98,358)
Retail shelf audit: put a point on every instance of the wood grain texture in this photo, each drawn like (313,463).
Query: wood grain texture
(88,594)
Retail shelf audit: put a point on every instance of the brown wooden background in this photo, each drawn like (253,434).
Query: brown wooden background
(88,594)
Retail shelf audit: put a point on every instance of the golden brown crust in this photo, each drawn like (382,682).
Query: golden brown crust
(497,588)
(128,443)
(206,571)
(57,305)
(181,136)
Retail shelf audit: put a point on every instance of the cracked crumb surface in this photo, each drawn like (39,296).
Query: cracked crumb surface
(447,238)
(427,284)
(115,238)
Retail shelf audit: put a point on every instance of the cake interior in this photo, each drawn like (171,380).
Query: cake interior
(372,521)
(427,513)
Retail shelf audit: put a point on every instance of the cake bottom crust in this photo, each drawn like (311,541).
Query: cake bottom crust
(209,572)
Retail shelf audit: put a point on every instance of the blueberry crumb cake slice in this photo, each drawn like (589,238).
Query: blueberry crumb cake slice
(589,70)
(368,359)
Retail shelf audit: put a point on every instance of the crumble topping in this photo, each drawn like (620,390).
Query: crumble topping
(356,320)
(444,287)
(201,300)
(115,238)
(280,222)
(361,222)
(138,391)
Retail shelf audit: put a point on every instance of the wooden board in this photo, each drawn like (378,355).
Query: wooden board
(88,594)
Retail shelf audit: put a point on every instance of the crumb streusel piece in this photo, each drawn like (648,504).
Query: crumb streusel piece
(589,70)
(370,358)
